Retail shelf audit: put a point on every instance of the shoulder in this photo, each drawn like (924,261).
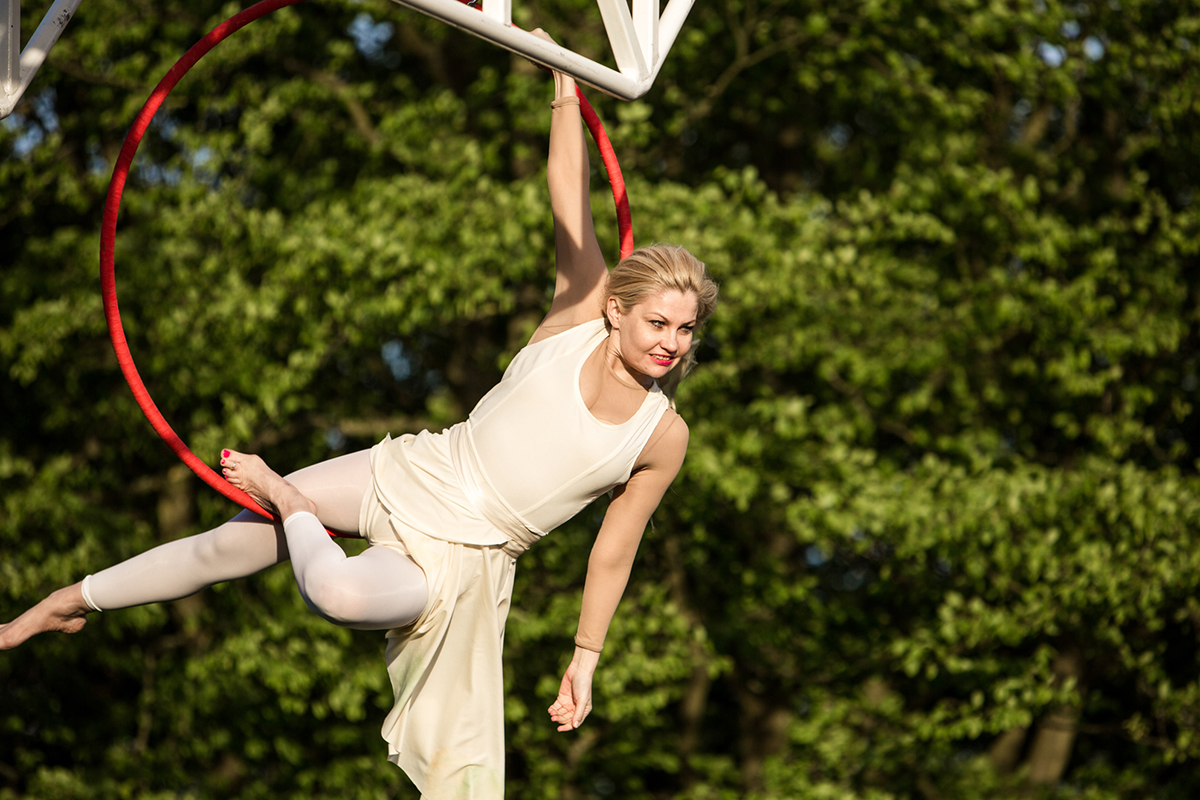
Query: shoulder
(672,429)
(667,445)
(657,466)
(554,325)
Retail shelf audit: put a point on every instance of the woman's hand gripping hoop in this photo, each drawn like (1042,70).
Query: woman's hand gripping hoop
(112,207)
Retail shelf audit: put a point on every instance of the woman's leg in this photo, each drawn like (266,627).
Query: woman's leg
(378,589)
(244,545)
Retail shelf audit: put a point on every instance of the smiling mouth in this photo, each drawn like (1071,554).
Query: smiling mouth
(662,360)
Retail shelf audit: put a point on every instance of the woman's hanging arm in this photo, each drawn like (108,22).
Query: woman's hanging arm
(609,566)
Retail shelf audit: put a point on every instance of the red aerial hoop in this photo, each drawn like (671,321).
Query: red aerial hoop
(112,207)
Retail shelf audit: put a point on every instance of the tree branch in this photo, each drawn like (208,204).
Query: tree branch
(344,92)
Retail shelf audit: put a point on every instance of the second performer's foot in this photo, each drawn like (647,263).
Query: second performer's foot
(251,474)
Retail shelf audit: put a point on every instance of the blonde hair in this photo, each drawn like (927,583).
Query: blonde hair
(653,270)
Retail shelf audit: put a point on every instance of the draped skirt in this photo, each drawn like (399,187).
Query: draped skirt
(446,728)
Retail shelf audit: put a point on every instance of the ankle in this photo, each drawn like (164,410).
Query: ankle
(292,502)
(70,600)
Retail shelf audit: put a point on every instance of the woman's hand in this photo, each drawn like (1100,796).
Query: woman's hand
(564,85)
(574,701)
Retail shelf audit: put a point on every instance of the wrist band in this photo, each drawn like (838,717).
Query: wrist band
(588,645)
(565,101)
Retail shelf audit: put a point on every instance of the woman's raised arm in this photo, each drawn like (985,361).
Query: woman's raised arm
(580,271)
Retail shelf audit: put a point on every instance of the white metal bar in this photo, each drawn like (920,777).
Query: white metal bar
(623,38)
(499,10)
(645,26)
(10,45)
(34,54)
(526,44)
(669,26)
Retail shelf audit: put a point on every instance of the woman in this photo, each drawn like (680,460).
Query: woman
(581,411)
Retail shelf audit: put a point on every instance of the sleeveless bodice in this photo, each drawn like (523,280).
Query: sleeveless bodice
(537,444)
(529,457)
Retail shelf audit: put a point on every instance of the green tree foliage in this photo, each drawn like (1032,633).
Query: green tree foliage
(933,538)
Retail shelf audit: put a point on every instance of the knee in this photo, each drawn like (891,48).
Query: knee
(332,604)
(362,602)
(256,543)
(350,609)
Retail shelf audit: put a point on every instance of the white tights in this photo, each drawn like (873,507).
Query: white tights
(377,589)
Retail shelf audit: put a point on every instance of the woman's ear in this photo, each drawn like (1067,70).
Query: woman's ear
(612,310)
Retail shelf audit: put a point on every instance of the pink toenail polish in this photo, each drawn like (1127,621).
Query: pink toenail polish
(225,453)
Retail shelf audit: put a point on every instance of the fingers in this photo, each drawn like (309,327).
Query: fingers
(574,701)
(562,81)
(563,713)
(580,715)
(568,714)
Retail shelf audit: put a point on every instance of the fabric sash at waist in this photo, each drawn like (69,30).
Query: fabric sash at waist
(483,498)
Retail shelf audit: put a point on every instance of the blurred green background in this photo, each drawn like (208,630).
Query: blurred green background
(935,535)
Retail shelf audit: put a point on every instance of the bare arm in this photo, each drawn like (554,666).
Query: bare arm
(579,263)
(611,562)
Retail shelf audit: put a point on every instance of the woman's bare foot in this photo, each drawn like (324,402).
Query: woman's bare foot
(252,475)
(64,611)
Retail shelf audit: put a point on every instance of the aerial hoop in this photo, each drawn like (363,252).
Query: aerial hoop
(112,207)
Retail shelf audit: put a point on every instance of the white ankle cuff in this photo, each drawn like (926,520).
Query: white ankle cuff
(294,518)
(86,588)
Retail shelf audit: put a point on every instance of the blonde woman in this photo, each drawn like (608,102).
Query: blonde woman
(584,409)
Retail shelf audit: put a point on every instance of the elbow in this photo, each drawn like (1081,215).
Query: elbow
(610,564)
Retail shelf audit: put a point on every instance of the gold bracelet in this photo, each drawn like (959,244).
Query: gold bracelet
(565,101)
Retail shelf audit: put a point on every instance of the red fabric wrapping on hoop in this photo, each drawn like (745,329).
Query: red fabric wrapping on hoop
(112,207)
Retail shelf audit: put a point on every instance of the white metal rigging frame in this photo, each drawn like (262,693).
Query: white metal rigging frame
(640,37)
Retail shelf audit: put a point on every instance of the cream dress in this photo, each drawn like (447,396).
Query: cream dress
(463,504)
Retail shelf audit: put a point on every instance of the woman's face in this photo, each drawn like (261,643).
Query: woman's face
(653,336)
